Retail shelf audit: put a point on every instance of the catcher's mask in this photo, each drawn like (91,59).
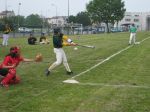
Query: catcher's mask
(15,51)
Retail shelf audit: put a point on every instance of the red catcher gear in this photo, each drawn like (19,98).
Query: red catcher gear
(14,49)
(11,77)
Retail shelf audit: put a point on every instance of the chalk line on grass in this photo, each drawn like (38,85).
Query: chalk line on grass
(115,85)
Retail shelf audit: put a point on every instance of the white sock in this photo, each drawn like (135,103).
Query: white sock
(67,66)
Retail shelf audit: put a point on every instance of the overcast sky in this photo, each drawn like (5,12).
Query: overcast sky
(45,7)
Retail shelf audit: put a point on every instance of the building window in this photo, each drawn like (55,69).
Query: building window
(136,20)
(136,15)
(128,15)
(127,20)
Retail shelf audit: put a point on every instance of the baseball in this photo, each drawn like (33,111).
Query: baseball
(75,48)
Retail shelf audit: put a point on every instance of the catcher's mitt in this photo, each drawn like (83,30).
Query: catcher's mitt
(38,58)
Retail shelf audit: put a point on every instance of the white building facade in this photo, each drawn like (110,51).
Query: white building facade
(6,14)
(140,19)
(57,21)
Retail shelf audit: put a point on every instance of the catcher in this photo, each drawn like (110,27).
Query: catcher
(8,66)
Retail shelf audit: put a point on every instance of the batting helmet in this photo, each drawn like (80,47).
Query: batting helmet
(57,30)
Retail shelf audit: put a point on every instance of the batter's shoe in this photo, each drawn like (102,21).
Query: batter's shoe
(47,72)
(69,73)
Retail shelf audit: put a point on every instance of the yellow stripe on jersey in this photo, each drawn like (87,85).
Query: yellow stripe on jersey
(65,41)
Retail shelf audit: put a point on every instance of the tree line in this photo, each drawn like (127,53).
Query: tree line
(31,21)
(97,11)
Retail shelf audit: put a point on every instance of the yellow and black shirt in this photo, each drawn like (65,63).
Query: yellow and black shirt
(7,30)
(60,41)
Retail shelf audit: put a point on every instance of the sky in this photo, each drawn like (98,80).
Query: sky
(48,8)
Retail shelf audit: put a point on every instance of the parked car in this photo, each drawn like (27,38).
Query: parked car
(115,29)
(24,30)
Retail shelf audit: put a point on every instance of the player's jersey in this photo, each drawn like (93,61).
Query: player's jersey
(59,41)
(133,29)
(42,38)
(9,61)
(7,30)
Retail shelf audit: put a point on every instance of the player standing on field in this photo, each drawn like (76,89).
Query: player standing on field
(59,40)
(133,31)
(6,32)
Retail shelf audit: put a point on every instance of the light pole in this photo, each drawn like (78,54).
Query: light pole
(5,5)
(56,13)
(68,15)
(6,11)
(18,12)
(68,10)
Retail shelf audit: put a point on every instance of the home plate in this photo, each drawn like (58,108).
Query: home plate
(71,81)
(137,42)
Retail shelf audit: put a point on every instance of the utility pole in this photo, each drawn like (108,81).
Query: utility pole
(68,16)
(18,13)
(68,10)
(6,11)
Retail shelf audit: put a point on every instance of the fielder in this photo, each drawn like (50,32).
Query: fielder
(43,39)
(8,67)
(32,40)
(60,40)
(133,31)
(6,32)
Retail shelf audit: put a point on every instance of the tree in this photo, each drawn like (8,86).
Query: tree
(119,11)
(34,20)
(83,18)
(72,19)
(107,11)
(13,21)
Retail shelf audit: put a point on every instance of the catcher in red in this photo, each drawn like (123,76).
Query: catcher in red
(9,64)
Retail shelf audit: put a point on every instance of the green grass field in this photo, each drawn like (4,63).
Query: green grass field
(121,84)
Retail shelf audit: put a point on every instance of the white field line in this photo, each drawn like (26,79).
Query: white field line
(108,58)
(114,85)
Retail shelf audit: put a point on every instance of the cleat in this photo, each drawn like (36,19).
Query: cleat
(47,72)
(69,73)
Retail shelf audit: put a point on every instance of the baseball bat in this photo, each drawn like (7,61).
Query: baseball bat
(87,46)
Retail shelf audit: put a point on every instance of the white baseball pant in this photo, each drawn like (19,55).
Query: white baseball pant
(60,58)
(132,38)
(5,39)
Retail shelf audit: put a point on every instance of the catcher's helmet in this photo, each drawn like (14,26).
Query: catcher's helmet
(14,49)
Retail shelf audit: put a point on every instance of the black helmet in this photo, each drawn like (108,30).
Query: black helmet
(57,30)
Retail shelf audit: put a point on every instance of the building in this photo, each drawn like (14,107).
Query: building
(6,14)
(58,21)
(140,19)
